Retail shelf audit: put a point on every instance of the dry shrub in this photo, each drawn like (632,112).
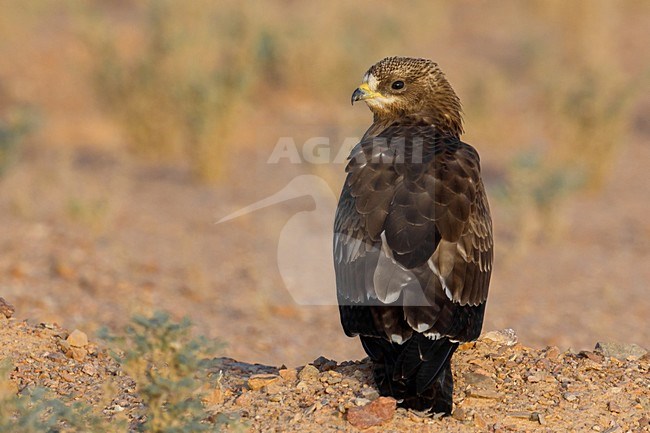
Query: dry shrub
(561,103)
(541,77)
(173,77)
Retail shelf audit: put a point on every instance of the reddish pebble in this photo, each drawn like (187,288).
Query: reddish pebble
(372,414)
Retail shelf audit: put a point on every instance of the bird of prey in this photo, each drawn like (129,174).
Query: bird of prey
(412,234)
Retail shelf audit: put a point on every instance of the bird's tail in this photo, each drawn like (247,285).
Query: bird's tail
(417,373)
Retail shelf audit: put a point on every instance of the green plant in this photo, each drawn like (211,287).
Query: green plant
(591,111)
(171,370)
(13,130)
(91,212)
(168,366)
(533,191)
(36,410)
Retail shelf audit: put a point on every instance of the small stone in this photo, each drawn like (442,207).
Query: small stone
(593,356)
(273,388)
(466,346)
(534,378)
(77,353)
(77,338)
(370,393)
(259,381)
(288,374)
(621,351)
(360,401)
(553,353)
(506,337)
(481,386)
(324,364)
(308,372)
(521,415)
(613,407)
(372,414)
(479,380)
(570,396)
(313,408)
(483,393)
(320,361)
(479,422)
(459,414)
(245,399)
(89,369)
(7,310)
(55,356)
(334,380)
(214,396)
(358,374)
(329,390)
(66,376)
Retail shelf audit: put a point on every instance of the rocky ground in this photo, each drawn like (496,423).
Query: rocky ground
(500,386)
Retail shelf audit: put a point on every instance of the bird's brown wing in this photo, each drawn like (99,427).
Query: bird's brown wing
(412,230)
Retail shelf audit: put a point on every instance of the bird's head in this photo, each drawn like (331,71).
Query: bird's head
(396,87)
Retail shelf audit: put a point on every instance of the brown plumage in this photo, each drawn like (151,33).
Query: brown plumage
(412,234)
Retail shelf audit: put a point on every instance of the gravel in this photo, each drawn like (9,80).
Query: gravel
(499,387)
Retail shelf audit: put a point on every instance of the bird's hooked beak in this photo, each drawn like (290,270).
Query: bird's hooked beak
(363,93)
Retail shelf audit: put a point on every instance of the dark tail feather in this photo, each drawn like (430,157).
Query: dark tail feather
(417,373)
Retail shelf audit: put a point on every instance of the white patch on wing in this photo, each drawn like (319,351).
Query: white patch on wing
(461,249)
(339,247)
(353,249)
(433,335)
(384,247)
(422,327)
(390,279)
(435,270)
(396,338)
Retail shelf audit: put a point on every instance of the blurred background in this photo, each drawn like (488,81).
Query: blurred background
(128,128)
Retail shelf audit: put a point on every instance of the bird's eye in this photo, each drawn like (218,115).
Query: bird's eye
(399,84)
